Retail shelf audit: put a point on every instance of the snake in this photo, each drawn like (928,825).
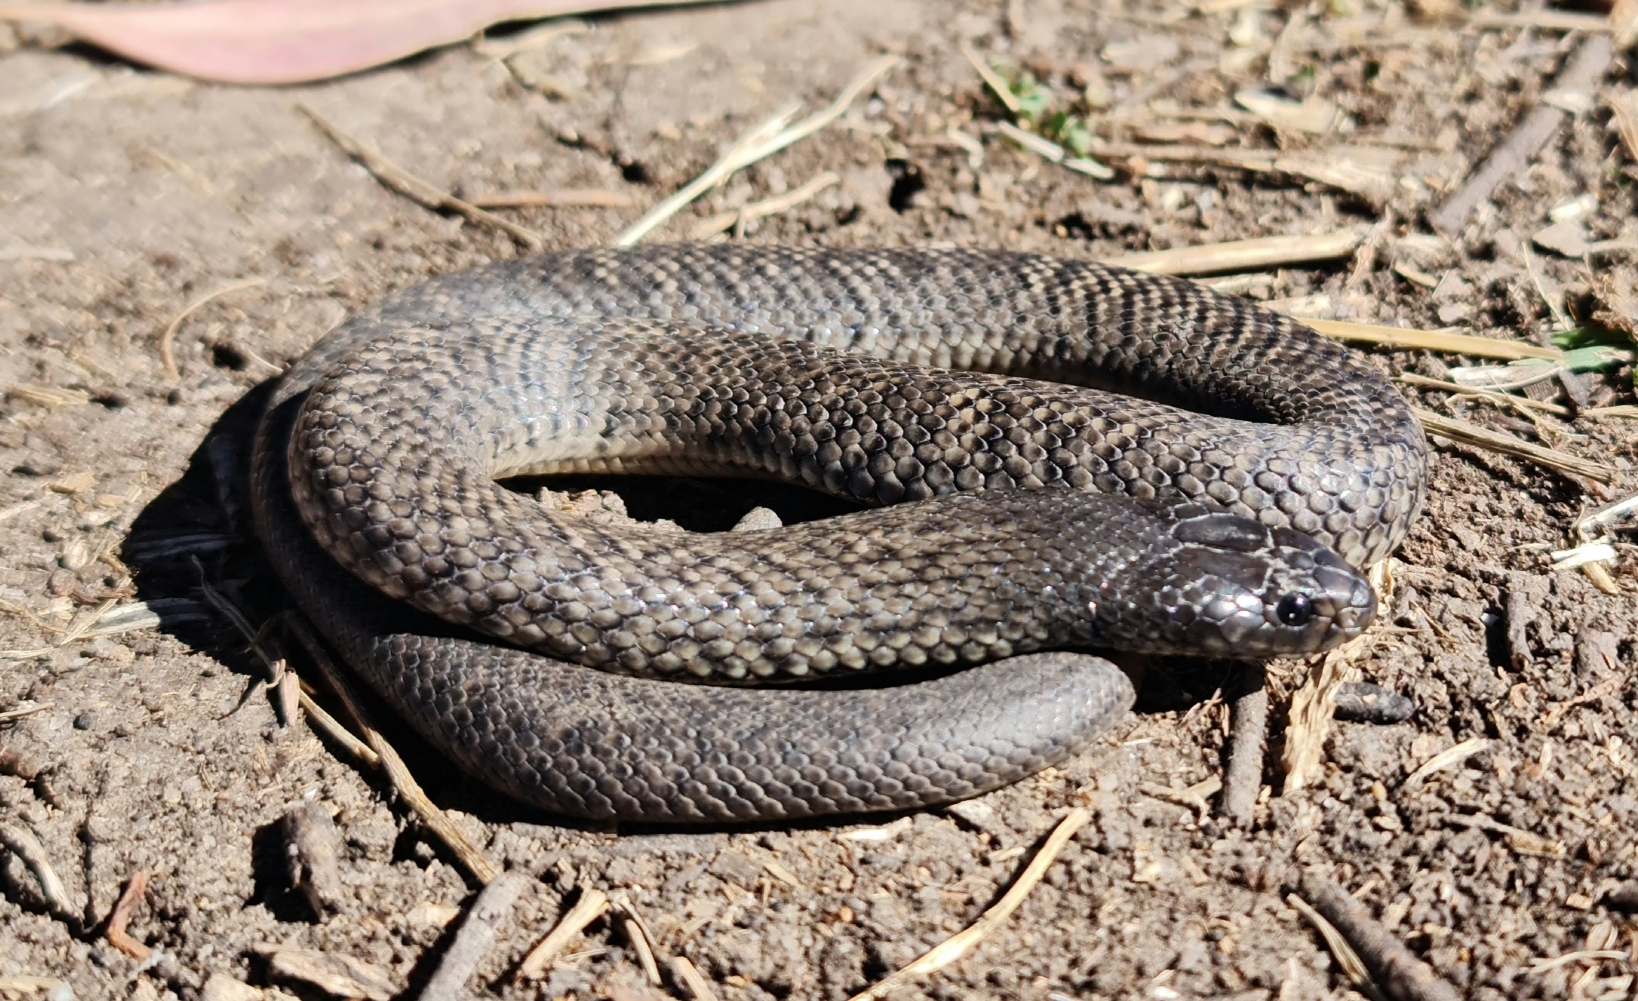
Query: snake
(1053,458)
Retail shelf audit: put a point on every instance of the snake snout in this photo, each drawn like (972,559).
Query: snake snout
(1314,600)
(1235,587)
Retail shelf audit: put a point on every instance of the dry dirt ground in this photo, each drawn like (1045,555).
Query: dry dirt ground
(125,195)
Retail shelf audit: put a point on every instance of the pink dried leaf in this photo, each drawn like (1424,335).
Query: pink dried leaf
(288,41)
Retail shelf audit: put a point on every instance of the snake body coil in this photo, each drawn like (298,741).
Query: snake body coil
(1053,514)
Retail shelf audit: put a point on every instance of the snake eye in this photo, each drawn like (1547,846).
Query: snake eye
(1295,609)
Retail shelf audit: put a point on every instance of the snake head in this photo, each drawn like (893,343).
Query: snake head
(1230,586)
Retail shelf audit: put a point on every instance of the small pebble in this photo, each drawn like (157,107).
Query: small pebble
(82,721)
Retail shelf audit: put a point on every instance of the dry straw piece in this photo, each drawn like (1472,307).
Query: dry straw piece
(952,948)
(1242,255)
(593,903)
(766,139)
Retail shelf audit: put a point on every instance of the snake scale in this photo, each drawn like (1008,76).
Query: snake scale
(1029,512)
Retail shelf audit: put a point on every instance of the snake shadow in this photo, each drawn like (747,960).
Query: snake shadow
(197,533)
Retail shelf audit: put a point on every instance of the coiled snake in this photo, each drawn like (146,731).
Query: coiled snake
(1051,514)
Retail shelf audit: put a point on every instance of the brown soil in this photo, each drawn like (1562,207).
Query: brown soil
(158,750)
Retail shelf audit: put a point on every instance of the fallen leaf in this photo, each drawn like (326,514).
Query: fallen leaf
(288,41)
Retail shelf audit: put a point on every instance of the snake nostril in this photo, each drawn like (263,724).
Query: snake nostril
(1295,609)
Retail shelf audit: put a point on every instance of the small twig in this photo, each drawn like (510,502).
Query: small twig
(1402,975)
(1522,841)
(588,908)
(1500,399)
(568,198)
(991,79)
(120,917)
(21,842)
(310,857)
(1243,775)
(167,338)
(952,948)
(1194,797)
(424,192)
(737,218)
(1582,73)
(333,729)
(766,139)
(15,714)
(692,981)
(1550,20)
(642,941)
(230,611)
(1049,150)
(398,773)
(1242,255)
(483,920)
(1540,965)
(1472,434)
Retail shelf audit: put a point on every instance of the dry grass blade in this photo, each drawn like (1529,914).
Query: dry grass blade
(696,984)
(591,906)
(21,842)
(332,728)
(952,948)
(1550,20)
(1242,255)
(1312,708)
(765,140)
(1049,150)
(33,985)
(1448,758)
(414,188)
(737,218)
(639,937)
(991,79)
(1522,841)
(1347,958)
(1500,399)
(1432,340)
(16,714)
(1552,458)
(49,396)
(591,198)
(167,338)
